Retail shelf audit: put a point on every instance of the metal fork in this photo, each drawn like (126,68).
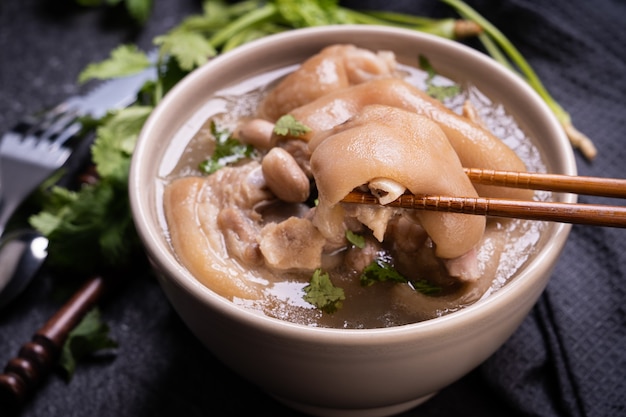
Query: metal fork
(32,151)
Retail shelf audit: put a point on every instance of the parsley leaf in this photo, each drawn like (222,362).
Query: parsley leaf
(356,239)
(116,138)
(89,229)
(380,270)
(321,293)
(138,9)
(308,13)
(227,151)
(425,287)
(440,92)
(190,49)
(89,336)
(92,227)
(124,60)
(288,125)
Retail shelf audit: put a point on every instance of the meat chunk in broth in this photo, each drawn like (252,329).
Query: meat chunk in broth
(410,149)
(332,69)
(475,146)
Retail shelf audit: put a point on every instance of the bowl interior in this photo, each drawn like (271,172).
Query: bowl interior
(182,112)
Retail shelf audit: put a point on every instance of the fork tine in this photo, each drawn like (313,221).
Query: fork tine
(32,151)
(60,130)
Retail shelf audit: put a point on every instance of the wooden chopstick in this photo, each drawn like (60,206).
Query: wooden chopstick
(587,214)
(603,187)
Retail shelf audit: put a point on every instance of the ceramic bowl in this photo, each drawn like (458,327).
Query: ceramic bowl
(339,372)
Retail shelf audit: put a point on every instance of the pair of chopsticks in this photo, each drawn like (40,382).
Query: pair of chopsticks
(587,214)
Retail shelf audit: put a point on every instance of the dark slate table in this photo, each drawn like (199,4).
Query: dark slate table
(567,359)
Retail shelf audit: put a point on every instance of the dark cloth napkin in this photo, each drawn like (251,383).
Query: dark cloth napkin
(568,358)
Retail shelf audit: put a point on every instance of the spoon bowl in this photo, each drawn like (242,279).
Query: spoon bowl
(22,252)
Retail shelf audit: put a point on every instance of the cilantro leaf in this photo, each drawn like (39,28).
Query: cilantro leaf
(321,293)
(92,227)
(356,239)
(115,141)
(288,125)
(124,60)
(139,9)
(308,13)
(227,151)
(425,287)
(89,336)
(88,229)
(190,49)
(440,92)
(380,270)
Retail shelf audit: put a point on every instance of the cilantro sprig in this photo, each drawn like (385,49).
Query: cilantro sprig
(227,150)
(124,60)
(91,228)
(139,10)
(321,293)
(379,270)
(90,335)
(289,125)
(355,238)
(440,92)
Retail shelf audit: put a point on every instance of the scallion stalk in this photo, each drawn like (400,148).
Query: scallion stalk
(495,39)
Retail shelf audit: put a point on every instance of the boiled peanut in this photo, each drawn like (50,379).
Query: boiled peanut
(284,177)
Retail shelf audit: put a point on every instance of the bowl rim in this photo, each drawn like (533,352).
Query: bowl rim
(478,311)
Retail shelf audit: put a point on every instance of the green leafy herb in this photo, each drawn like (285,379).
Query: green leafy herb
(124,60)
(440,92)
(321,293)
(425,287)
(92,228)
(380,270)
(502,50)
(90,336)
(227,151)
(309,13)
(356,239)
(191,49)
(137,9)
(288,125)
(117,136)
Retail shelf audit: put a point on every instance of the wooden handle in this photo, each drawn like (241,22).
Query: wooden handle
(588,214)
(603,187)
(38,357)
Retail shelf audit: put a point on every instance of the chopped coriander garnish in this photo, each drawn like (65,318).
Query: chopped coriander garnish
(440,92)
(289,125)
(89,336)
(227,151)
(356,239)
(191,49)
(321,293)
(380,271)
(425,287)
(125,60)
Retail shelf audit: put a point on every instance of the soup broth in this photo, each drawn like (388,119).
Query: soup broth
(219,224)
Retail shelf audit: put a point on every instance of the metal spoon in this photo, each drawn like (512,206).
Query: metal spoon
(22,252)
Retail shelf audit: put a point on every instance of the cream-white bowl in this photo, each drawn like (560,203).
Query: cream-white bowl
(335,372)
